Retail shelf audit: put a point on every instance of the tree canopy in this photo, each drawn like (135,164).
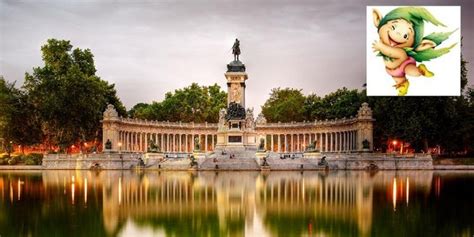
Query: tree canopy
(66,96)
(19,123)
(286,105)
(190,104)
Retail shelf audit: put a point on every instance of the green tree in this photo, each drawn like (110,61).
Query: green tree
(68,95)
(190,104)
(339,104)
(284,105)
(19,122)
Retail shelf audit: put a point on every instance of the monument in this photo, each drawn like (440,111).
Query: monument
(236,128)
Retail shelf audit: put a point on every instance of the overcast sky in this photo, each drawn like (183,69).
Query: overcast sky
(148,48)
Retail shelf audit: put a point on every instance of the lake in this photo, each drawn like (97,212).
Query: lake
(310,203)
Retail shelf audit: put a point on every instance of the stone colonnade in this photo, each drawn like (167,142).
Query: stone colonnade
(337,135)
(280,140)
(167,141)
(135,135)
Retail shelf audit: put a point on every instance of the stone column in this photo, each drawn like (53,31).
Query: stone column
(141,141)
(298,143)
(186,147)
(145,149)
(279,143)
(131,141)
(212,142)
(140,138)
(125,141)
(351,141)
(342,141)
(167,141)
(161,142)
(171,141)
(326,145)
(136,142)
(180,148)
(205,142)
(271,142)
(200,141)
(319,140)
(348,141)
(175,142)
(326,141)
(137,139)
(304,141)
(354,141)
(331,141)
(291,143)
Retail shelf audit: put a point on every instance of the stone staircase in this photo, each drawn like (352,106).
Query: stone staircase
(276,163)
(292,164)
(243,160)
(230,164)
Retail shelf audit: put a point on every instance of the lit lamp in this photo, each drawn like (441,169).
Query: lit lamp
(85,145)
(394,144)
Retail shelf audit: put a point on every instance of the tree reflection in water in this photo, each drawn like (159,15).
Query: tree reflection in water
(50,203)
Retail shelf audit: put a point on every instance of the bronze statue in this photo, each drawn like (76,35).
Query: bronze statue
(152,147)
(108,144)
(197,145)
(236,50)
(261,146)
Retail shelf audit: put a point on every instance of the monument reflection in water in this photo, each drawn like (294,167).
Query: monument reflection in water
(116,203)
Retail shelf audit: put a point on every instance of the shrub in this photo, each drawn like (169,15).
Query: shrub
(12,161)
(20,157)
(5,157)
(36,157)
(3,161)
(30,161)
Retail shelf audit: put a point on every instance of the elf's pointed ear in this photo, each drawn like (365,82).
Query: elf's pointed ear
(377,17)
(425,44)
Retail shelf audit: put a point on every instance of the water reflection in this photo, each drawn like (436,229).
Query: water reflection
(234,203)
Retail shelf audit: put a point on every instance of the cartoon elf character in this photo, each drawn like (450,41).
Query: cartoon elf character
(402,43)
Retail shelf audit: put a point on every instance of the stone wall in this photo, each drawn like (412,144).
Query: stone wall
(346,161)
(91,161)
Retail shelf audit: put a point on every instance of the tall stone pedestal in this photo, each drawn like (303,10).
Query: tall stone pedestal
(236,128)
